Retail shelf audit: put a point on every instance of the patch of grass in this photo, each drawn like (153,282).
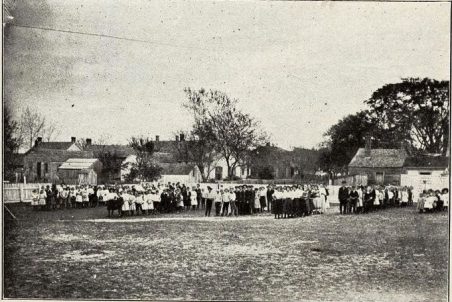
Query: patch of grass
(384,256)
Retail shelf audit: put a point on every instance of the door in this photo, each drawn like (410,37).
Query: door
(38,170)
(379,178)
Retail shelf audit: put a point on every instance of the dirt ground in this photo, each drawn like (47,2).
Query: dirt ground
(390,255)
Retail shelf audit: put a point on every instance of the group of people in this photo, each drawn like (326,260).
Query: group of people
(365,199)
(433,200)
(284,201)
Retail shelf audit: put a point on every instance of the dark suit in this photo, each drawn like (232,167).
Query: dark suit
(343,198)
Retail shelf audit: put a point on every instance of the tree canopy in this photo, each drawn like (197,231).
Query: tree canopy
(220,123)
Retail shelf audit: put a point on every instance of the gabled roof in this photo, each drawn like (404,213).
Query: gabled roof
(167,146)
(176,168)
(379,158)
(54,155)
(427,161)
(119,150)
(78,164)
(51,146)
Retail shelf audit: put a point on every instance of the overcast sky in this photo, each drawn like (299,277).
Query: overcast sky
(298,67)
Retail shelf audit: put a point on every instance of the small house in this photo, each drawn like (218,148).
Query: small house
(382,166)
(80,171)
(180,172)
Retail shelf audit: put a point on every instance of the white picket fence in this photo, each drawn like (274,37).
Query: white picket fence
(18,192)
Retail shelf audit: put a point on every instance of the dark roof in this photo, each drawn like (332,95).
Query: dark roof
(119,150)
(176,168)
(427,161)
(163,157)
(52,146)
(166,146)
(59,155)
(379,158)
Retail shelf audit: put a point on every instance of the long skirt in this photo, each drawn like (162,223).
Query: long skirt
(278,206)
(287,206)
(125,206)
(262,202)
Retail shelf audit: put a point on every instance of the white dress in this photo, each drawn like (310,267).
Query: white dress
(445,198)
(34,199)
(150,202)
(193,200)
(125,205)
(360,198)
(131,200)
(144,202)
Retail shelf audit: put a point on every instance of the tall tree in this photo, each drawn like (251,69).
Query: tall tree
(417,110)
(234,133)
(345,137)
(199,148)
(10,142)
(31,124)
(145,167)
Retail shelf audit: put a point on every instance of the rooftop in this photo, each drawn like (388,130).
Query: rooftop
(379,158)
(78,163)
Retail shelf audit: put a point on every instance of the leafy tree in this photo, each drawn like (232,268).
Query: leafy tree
(234,133)
(346,137)
(145,168)
(416,110)
(111,163)
(10,142)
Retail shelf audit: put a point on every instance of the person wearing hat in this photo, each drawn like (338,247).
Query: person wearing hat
(343,197)
(210,196)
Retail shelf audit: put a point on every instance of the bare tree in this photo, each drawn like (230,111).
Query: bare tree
(50,131)
(234,133)
(31,124)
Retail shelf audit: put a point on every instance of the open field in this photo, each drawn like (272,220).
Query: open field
(392,255)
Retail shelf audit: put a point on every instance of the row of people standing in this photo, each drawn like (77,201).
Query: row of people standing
(365,199)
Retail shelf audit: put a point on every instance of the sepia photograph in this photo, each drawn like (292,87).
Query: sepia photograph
(219,150)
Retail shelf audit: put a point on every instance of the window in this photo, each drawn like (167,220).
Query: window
(425,173)
(46,168)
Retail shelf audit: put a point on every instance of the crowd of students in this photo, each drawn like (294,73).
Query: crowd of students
(433,200)
(283,201)
(365,199)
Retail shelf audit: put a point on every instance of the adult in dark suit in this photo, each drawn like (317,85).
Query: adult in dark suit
(343,198)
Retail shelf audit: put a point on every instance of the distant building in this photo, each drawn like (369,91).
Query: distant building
(397,166)
(271,162)
(426,171)
(41,162)
(80,171)
(180,172)
(120,155)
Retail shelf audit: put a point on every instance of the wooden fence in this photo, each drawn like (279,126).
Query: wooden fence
(18,192)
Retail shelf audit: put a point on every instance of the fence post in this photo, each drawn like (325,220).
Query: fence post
(21,193)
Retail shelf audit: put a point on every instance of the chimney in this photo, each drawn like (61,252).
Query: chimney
(182,137)
(177,138)
(38,141)
(73,139)
(368,146)
(157,138)
(88,142)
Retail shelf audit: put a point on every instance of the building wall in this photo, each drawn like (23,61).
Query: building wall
(384,176)
(241,172)
(31,172)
